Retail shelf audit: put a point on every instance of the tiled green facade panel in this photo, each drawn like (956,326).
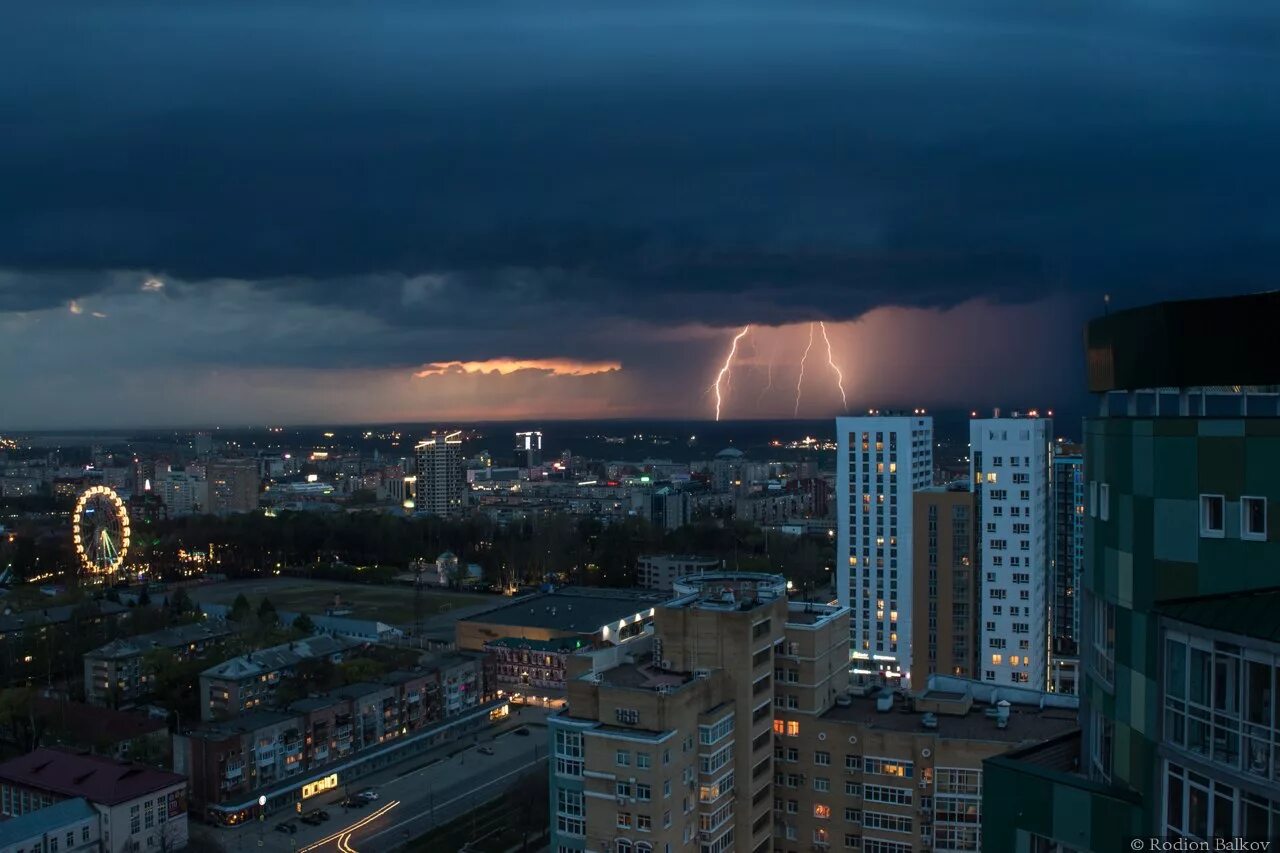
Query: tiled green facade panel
(1020,799)
(1150,550)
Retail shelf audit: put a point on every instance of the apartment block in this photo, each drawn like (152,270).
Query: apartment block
(1180,643)
(945,588)
(731,726)
(882,459)
(1066,570)
(1009,468)
(248,682)
(661,571)
(118,673)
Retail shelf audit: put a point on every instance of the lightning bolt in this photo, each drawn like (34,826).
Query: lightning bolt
(831,361)
(768,385)
(803,359)
(723,375)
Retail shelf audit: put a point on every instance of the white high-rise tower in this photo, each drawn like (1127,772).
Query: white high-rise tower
(882,459)
(1009,467)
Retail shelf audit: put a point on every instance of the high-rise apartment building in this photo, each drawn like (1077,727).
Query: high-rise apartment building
(1068,562)
(234,485)
(1180,647)
(438,487)
(529,449)
(881,460)
(944,587)
(1009,467)
(181,491)
(730,727)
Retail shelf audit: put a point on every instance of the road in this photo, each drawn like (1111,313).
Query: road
(412,799)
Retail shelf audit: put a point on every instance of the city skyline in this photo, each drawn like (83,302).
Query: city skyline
(603,197)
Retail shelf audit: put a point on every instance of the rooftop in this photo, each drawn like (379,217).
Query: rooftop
(1253,614)
(559,644)
(243,724)
(278,657)
(812,613)
(167,638)
(90,722)
(56,615)
(727,590)
(48,819)
(1026,723)
(642,676)
(572,609)
(96,778)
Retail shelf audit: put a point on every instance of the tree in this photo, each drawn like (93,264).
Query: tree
(303,624)
(267,616)
(181,603)
(240,609)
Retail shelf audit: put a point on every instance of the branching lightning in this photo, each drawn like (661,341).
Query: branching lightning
(803,359)
(831,361)
(723,375)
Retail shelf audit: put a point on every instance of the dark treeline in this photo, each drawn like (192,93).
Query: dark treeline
(573,550)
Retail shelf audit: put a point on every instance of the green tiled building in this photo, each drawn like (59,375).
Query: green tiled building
(1180,729)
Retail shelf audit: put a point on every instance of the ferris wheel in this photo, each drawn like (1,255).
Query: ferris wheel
(100,529)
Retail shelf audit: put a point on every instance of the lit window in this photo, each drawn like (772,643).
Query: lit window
(821,811)
(996,660)
(1212,515)
(793,728)
(1253,518)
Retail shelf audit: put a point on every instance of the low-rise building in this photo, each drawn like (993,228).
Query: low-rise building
(520,665)
(118,673)
(248,682)
(74,823)
(140,807)
(596,616)
(293,754)
(660,571)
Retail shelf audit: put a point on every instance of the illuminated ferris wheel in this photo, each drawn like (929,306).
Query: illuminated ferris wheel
(100,527)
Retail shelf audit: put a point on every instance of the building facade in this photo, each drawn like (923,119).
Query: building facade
(120,673)
(439,485)
(945,588)
(1068,564)
(1178,640)
(1009,469)
(660,571)
(735,730)
(234,485)
(139,807)
(248,682)
(880,461)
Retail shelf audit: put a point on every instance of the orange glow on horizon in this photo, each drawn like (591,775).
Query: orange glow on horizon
(506,366)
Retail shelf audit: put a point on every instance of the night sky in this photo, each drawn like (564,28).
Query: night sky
(271,212)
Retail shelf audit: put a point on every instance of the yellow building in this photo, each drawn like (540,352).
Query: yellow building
(728,725)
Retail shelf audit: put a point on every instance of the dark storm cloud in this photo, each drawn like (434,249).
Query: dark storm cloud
(713,162)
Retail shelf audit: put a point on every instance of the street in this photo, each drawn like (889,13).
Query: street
(412,798)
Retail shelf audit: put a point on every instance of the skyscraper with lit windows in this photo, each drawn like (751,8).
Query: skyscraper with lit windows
(1009,467)
(882,458)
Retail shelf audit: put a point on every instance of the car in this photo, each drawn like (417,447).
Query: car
(368,794)
(355,802)
(287,827)
(312,819)
(522,732)
(485,750)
